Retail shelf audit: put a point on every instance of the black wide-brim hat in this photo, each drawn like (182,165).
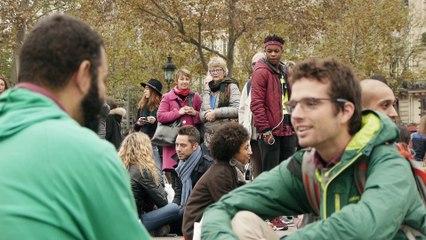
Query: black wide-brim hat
(154,84)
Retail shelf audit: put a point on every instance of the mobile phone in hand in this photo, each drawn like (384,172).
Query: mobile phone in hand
(142,120)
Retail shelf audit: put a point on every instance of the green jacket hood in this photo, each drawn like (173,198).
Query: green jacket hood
(376,129)
(21,108)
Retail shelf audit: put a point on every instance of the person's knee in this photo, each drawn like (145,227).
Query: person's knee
(248,225)
(243,216)
(243,221)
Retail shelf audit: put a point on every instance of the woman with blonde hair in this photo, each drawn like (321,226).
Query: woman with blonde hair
(221,97)
(150,197)
(179,104)
(418,140)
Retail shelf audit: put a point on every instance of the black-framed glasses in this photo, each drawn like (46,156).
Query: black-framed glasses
(217,70)
(310,103)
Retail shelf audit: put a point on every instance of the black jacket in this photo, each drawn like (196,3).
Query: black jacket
(145,191)
(202,167)
(148,128)
(113,126)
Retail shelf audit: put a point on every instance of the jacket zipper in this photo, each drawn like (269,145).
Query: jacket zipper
(336,202)
(325,186)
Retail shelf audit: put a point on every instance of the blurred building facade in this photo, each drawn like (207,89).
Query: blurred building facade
(412,96)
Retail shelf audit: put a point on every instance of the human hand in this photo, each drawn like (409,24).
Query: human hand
(182,111)
(141,121)
(268,138)
(190,111)
(211,116)
(151,119)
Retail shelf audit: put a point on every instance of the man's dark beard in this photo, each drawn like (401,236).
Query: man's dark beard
(92,106)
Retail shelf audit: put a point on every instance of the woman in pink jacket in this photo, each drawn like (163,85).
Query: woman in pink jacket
(174,106)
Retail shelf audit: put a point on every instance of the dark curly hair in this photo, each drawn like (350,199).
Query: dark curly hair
(274,37)
(227,141)
(54,50)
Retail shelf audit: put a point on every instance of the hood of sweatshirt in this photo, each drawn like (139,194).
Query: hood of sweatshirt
(21,108)
(264,64)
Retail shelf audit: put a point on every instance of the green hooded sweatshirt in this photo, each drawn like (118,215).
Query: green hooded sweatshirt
(58,180)
(390,197)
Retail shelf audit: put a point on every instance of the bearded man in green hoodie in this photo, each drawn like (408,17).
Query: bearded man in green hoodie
(58,180)
(325,108)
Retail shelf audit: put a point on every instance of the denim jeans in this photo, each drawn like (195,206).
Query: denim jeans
(160,217)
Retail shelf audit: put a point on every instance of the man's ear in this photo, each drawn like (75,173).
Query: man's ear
(195,146)
(347,112)
(83,80)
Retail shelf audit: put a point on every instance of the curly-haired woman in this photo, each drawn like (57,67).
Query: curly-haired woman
(151,201)
(230,146)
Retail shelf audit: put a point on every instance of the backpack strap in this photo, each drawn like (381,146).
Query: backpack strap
(420,178)
(309,180)
(416,168)
(361,175)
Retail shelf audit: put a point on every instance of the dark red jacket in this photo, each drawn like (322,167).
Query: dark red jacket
(266,100)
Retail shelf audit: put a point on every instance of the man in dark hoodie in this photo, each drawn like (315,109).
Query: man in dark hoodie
(270,91)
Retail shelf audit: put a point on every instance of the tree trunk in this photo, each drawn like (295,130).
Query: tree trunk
(20,23)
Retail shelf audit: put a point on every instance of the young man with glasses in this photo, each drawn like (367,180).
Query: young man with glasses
(270,91)
(325,110)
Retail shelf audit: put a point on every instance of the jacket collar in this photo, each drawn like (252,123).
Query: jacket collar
(266,65)
(376,129)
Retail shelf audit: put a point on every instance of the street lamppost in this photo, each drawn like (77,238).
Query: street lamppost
(169,70)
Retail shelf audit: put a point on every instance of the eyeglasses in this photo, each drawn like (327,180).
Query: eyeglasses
(309,104)
(218,70)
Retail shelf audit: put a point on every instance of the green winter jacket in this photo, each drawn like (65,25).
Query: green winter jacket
(58,180)
(390,197)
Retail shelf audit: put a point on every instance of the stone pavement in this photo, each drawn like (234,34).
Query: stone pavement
(281,233)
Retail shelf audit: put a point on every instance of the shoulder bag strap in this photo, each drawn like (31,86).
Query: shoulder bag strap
(190,99)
